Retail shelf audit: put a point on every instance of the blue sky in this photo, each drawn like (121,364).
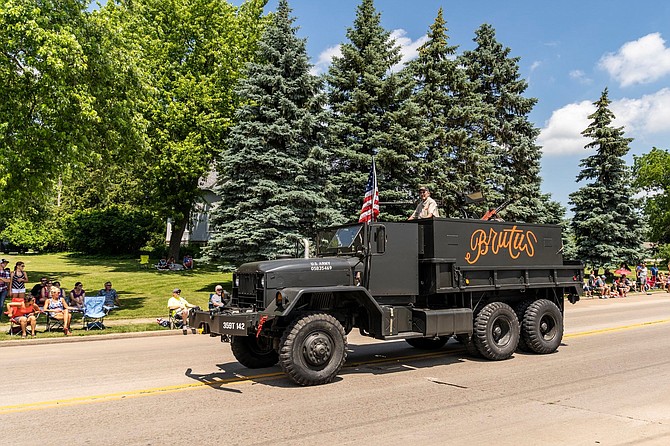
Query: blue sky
(570,51)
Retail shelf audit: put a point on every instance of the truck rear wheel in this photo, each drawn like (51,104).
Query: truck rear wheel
(520,310)
(252,352)
(313,349)
(542,327)
(496,331)
(428,343)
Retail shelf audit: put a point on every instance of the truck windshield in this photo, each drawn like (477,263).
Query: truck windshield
(345,240)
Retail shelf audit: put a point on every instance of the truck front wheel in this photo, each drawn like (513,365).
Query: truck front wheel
(313,349)
(253,352)
(496,331)
(542,327)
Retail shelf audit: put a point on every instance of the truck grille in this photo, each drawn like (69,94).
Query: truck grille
(250,293)
(248,283)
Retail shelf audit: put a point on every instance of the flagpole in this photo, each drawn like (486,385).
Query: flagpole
(374,189)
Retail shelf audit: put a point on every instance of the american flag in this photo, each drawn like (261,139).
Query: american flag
(370,209)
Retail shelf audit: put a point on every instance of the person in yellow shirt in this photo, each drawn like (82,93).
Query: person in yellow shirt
(180,307)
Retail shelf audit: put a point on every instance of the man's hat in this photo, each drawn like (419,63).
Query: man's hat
(176,290)
(422,188)
(4,261)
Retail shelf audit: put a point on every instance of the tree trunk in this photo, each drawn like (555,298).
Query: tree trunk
(178,228)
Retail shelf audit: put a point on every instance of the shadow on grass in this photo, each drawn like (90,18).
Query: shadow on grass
(130,303)
(131,264)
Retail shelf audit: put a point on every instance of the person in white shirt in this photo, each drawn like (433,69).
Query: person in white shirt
(427,208)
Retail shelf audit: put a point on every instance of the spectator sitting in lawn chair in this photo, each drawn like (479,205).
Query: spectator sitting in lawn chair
(77,296)
(219,299)
(178,307)
(111,297)
(24,312)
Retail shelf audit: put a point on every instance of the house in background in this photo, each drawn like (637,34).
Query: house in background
(197,230)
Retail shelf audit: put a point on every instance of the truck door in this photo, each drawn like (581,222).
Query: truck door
(394,266)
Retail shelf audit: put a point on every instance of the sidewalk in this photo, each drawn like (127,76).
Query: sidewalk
(4,326)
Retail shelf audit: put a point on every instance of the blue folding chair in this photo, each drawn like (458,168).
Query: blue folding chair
(94,313)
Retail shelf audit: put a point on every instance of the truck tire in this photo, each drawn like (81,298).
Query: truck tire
(497,331)
(313,349)
(520,310)
(428,343)
(254,353)
(542,327)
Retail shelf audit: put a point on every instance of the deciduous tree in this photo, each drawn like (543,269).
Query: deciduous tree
(192,52)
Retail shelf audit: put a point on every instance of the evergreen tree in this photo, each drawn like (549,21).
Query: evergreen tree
(453,156)
(370,115)
(509,132)
(606,224)
(271,176)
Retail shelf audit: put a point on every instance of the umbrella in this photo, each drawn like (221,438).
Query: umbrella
(622,271)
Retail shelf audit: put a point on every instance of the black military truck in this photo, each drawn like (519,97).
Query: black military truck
(495,286)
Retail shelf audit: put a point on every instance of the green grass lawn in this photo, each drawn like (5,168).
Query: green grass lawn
(143,293)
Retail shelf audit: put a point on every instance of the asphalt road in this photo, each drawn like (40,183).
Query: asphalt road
(608,384)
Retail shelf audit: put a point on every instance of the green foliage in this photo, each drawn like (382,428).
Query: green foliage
(652,174)
(607,228)
(369,114)
(47,110)
(24,235)
(271,176)
(664,253)
(114,230)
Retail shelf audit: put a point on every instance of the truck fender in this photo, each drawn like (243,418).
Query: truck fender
(292,296)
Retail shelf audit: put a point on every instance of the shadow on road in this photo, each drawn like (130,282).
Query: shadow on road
(372,359)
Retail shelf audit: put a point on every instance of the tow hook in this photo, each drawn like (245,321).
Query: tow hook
(260,326)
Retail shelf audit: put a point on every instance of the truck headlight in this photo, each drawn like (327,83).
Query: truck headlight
(263,282)
(237,281)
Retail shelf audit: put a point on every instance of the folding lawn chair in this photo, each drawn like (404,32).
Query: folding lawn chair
(94,313)
(52,322)
(175,322)
(144,261)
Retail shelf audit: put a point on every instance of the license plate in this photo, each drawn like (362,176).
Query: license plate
(233,326)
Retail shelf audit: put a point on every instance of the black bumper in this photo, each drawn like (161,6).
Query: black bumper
(227,323)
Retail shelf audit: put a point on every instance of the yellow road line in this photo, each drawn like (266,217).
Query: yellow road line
(41,405)
(611,329)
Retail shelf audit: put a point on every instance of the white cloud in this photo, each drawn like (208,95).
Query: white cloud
(325,57)
(409,49)
(639,117)
(561,134)
(638,62)
(580,77)
(648,114)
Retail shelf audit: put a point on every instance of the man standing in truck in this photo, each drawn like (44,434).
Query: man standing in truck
(427,208)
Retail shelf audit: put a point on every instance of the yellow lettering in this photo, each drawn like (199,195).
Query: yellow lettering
(513,240)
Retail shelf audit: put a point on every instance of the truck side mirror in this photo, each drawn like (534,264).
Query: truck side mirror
(380,239)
